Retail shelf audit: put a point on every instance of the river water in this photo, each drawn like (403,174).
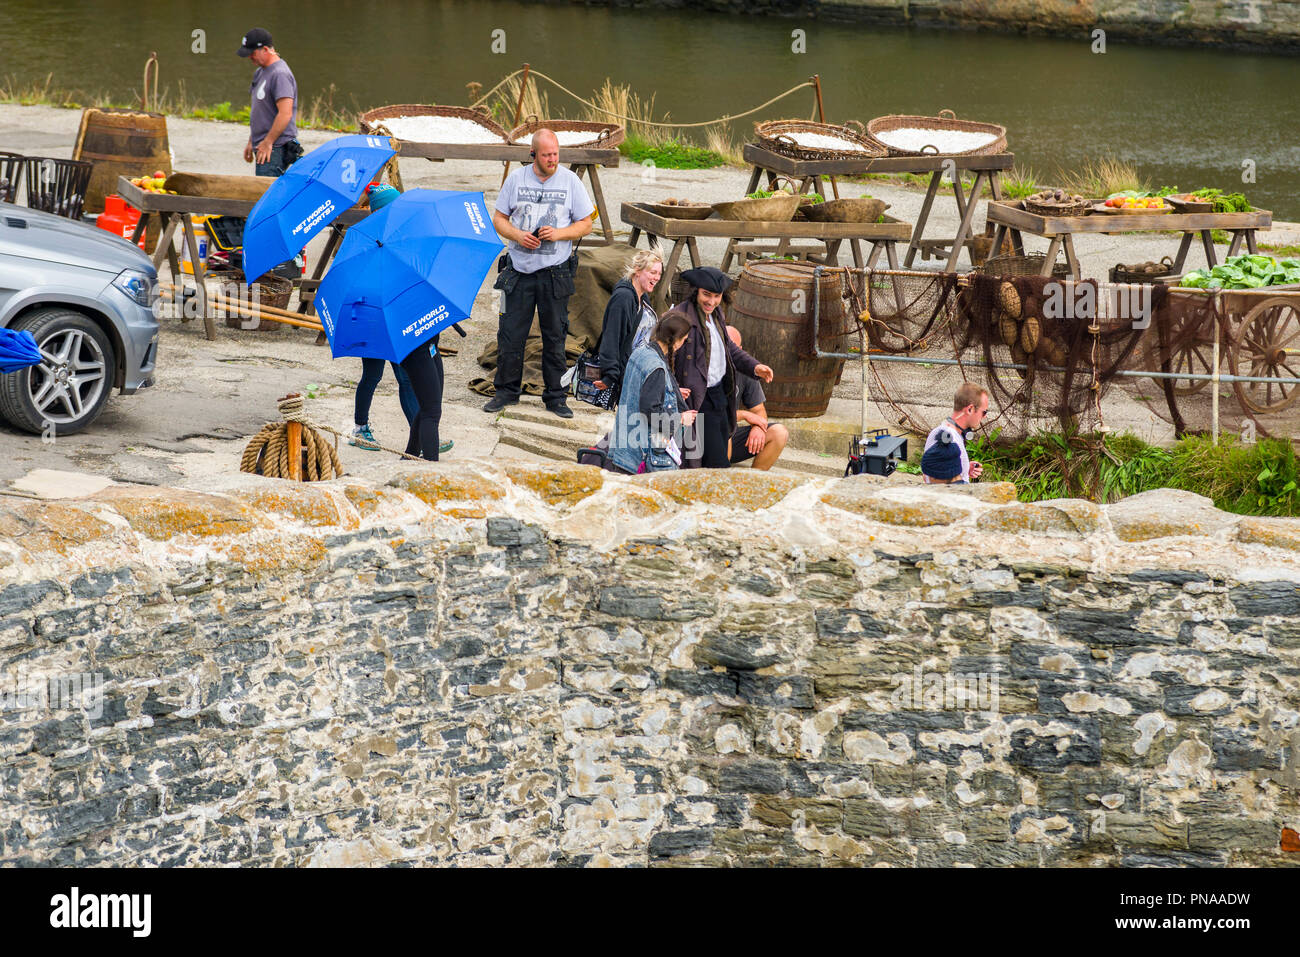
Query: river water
(1184,116)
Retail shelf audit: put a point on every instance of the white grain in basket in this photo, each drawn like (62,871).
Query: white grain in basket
(820,141)
(946,141)
(565,137)
(438,129)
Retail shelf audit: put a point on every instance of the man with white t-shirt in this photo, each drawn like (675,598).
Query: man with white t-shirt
(541,210)
(945,461)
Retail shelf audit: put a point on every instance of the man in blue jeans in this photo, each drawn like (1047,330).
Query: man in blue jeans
(541,209)
(273,135)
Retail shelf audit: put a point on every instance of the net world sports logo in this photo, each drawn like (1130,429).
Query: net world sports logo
(77,910)
(320,212)
(425,321)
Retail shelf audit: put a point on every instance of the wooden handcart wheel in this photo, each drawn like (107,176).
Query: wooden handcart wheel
(1191,351)
(1267,343)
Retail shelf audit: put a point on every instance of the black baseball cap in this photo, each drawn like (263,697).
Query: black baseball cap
(254,39)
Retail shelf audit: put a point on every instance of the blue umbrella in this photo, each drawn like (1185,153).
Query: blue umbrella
(310,195)
(406,272)
(18,350)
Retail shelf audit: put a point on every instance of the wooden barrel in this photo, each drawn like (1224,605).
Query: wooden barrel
(772,307)
(120,143)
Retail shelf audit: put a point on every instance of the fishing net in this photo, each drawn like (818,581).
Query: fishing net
(1050,351)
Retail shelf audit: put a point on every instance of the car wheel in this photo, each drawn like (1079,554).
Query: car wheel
(68,389)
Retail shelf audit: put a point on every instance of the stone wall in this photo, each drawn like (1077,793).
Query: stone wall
(1266,23)
(482,665)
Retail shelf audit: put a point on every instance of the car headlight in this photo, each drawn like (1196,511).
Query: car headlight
(135,285)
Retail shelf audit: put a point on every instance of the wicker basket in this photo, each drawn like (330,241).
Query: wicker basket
(674,211)
(1074,209)
(604,136)
(272,290)
(864,209)
(775,136)
(883,124)
(1137,274)
(774,209)
(1031,265)
(372,120)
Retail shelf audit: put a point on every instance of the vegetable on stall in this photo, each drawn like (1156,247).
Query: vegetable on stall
(1245,272)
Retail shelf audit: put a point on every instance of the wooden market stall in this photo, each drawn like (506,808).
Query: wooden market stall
(1013,220)
(810,173)
(175,212)
(596,146)
(746,240)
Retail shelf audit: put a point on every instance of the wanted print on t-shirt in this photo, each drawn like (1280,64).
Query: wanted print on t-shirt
(536,207)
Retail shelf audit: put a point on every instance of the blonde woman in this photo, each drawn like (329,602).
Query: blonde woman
(629,317)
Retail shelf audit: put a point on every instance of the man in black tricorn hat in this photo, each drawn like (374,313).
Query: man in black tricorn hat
(705,368)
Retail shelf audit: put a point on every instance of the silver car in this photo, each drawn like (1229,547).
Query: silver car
(85,295)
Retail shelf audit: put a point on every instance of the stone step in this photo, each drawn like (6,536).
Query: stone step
(560,440)
(586,418)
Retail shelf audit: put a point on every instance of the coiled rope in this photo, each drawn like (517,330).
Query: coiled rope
(267,452)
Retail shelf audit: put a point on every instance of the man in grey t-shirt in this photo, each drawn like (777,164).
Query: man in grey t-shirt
(273,135)
(541,210)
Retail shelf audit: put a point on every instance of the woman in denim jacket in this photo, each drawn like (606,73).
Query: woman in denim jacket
(647,433)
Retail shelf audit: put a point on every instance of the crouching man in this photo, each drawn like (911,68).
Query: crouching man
(945,461)
(754,438)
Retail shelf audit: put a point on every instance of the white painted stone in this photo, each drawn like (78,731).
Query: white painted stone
(729,738)
(1188,765)
(862,747)
(1147,726)
(1210,700)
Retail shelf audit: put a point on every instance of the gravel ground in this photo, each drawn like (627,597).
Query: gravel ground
(210,396)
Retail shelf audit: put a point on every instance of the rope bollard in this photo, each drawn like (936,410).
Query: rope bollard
(292,449)
(271,452)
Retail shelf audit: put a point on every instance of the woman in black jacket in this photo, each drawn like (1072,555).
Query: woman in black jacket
(629,317)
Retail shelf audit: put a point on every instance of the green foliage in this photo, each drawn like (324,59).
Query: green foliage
(1019,183)
(673,154)
(1103,177)
(222,112)
(1260,478)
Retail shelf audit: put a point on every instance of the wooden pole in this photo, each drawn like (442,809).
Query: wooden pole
(519,107)
(294,436)
(821,118)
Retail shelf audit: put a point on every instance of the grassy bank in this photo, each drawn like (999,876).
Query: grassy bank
(323,111)
(1258,478)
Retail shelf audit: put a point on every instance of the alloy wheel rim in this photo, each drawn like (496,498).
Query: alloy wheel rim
(71,377)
